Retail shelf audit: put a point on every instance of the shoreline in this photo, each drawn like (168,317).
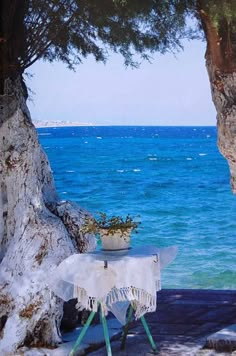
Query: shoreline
(55,124)
(51,124)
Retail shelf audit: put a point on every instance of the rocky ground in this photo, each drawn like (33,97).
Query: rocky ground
(182,325)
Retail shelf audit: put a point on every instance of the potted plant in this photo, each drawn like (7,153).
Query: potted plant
(114,231)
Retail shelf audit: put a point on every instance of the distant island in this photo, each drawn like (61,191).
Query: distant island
(42,124)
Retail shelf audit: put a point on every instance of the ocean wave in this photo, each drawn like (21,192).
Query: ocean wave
(218,280)
(202,154)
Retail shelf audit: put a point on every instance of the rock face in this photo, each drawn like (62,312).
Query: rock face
(37,230)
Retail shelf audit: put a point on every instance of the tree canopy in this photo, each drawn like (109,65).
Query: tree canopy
(69,30)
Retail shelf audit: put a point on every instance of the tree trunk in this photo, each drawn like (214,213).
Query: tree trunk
(223,87)
(221,65)
(37,230)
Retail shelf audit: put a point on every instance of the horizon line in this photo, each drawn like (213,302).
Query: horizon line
(120,125)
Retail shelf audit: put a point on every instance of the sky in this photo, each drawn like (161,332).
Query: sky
(172,90)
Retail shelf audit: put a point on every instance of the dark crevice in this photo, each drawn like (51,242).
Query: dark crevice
(3,321)
(4,203)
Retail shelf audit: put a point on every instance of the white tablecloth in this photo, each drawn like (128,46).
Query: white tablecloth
(113,279)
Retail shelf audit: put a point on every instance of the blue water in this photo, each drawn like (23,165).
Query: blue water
(173,177)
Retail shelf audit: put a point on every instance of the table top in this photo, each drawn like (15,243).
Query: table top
(166,254)
(137,252)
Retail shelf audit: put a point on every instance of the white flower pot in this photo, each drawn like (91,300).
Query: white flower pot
(119,240)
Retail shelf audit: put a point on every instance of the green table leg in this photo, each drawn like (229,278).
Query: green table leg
(126,328)
(106,334)
(145,325)
(82,333)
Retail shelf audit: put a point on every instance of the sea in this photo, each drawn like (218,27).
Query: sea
(172,179)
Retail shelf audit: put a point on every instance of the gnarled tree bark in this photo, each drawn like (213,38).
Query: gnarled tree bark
(37,230)
(221,65)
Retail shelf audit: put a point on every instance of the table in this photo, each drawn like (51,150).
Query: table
(105,281)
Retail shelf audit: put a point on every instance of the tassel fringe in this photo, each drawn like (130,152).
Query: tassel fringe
(141,301)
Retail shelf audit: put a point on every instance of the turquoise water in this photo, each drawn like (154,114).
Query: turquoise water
(173,177)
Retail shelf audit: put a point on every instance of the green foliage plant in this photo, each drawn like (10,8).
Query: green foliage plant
(110,225)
